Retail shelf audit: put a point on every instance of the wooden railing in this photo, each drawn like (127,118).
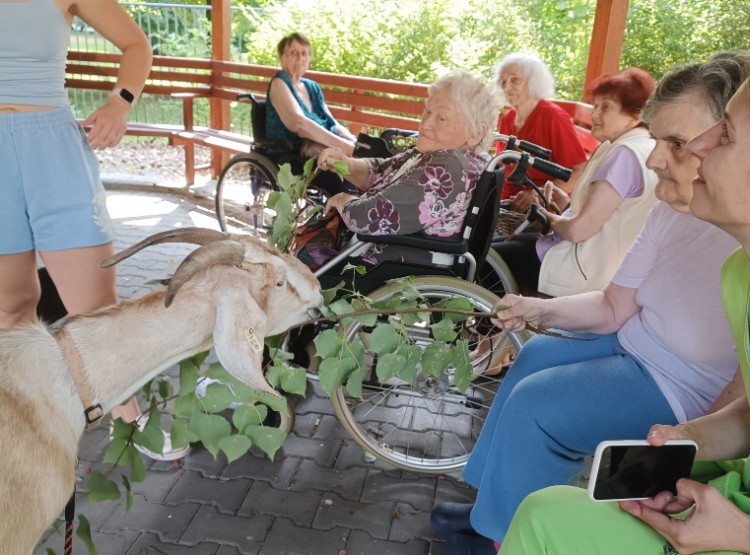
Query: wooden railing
(359,102)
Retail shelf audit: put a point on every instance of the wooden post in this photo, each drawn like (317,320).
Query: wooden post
(221,34)
(607,37)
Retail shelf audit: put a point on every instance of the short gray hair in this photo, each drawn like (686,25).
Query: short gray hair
(477,101)
(713,83)
(539,81)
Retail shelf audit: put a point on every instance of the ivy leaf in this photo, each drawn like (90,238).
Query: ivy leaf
(279,403)
(389,365)
(307,169)
(267,438)
(444,330)
(328,344)
(101,488)
(358,269)
(273,197)
(436,358)
(367,320)
(84,534)
(245,416)
(152,436)
(462,364)
(210,428)
(189,372)
(185,406)
(218,397)
(330,294)
(285,178)
(115,450)
(181,434)
(456,303)
(341,168)
(137,470)
(331,375)
(291,380)
(235,446)
(413,355)
(354,383)
(165,389)
(384,339)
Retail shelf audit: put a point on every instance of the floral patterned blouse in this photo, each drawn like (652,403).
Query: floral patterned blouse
(413,192)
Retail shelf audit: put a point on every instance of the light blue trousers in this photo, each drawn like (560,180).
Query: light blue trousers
(561,398)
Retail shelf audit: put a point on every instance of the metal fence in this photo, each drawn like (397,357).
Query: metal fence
(174,30)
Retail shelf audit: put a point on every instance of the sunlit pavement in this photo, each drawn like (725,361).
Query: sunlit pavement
(316,497)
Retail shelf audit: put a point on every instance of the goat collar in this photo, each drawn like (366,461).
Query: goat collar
(93,411)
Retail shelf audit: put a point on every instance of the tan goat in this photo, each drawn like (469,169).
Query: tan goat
(233,291)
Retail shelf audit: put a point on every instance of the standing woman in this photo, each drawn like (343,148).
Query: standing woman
(53,202)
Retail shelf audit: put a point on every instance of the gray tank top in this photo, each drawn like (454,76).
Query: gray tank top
(34,41)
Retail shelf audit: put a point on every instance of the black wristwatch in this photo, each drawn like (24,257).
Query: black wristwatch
(125,94)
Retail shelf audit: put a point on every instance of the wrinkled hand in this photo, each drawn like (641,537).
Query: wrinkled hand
(330,156)
(714,524)
(659,434)
(108,124)
(337,202)
(514,311)
(521,202)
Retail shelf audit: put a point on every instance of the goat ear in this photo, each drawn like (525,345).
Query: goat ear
(238,338)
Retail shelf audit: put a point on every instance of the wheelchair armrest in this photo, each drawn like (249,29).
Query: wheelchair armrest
(420,241)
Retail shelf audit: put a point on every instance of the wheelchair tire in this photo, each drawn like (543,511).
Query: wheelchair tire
(242,192)
(496,276)
(429,426)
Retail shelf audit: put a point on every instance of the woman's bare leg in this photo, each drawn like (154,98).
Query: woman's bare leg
(19,289)
(84,286)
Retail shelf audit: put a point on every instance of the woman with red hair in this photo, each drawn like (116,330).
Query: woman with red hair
(609,203)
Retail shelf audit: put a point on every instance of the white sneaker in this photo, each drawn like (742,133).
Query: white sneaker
(202,385)
(167,454)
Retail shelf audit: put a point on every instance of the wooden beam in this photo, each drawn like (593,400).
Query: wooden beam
(221,34)
(607,37)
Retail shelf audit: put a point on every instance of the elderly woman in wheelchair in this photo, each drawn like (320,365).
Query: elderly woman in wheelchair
(428,188)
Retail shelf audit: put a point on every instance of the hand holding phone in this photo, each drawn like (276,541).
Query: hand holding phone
(634,469)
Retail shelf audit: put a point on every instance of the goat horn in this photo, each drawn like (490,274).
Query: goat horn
(220,252)
(196,235)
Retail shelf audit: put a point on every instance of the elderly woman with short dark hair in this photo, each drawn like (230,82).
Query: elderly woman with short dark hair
(427,188)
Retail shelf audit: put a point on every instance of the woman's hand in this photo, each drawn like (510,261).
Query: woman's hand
(337,202)
(108,124)
(714,524)
(521,202)
(329,156)
(514,311)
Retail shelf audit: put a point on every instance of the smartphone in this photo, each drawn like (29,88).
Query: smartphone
(633,469)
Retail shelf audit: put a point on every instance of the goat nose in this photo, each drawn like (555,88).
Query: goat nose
(314,313)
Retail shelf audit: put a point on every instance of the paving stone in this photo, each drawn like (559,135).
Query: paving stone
(149,544)
(116,543)
(313,425)
(335,511)
(322,451)
(169,522)
(456,491)
(351,455)
(203,461)
(287,539)
(244,532)
(278,471)
(300,507)
(361,543)
(94,444)
(409,523)
(158,484)
(318,404)
(225,495)
(380,487)
(348,484)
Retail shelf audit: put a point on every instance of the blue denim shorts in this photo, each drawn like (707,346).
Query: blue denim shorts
(51,197)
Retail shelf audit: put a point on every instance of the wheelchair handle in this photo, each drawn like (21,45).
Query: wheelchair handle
(544,166)
(513,143)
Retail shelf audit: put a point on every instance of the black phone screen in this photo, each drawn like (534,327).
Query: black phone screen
(641,471)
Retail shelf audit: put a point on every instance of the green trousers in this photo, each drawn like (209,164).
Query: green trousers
(562,520)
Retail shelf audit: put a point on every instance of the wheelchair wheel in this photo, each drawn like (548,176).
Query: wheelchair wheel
(430,426)
(495,275)
(242,192)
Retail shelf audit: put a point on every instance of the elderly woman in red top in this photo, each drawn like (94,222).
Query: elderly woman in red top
(526,84)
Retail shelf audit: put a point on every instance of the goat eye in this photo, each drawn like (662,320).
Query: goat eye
(281,283)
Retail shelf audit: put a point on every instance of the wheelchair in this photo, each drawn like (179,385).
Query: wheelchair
(428,425)
(247,179)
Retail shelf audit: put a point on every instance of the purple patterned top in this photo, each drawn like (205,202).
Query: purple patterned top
(413,192)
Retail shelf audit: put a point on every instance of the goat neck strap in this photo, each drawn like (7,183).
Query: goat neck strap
(93,410)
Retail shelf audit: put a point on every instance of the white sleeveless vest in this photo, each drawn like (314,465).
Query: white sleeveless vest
(570,268)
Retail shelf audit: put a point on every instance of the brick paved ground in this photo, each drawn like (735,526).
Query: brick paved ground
(317,497)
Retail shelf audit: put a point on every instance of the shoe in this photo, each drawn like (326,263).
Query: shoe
(492,355)
(465,544)
(167,454)
(448,519)
(202,385)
